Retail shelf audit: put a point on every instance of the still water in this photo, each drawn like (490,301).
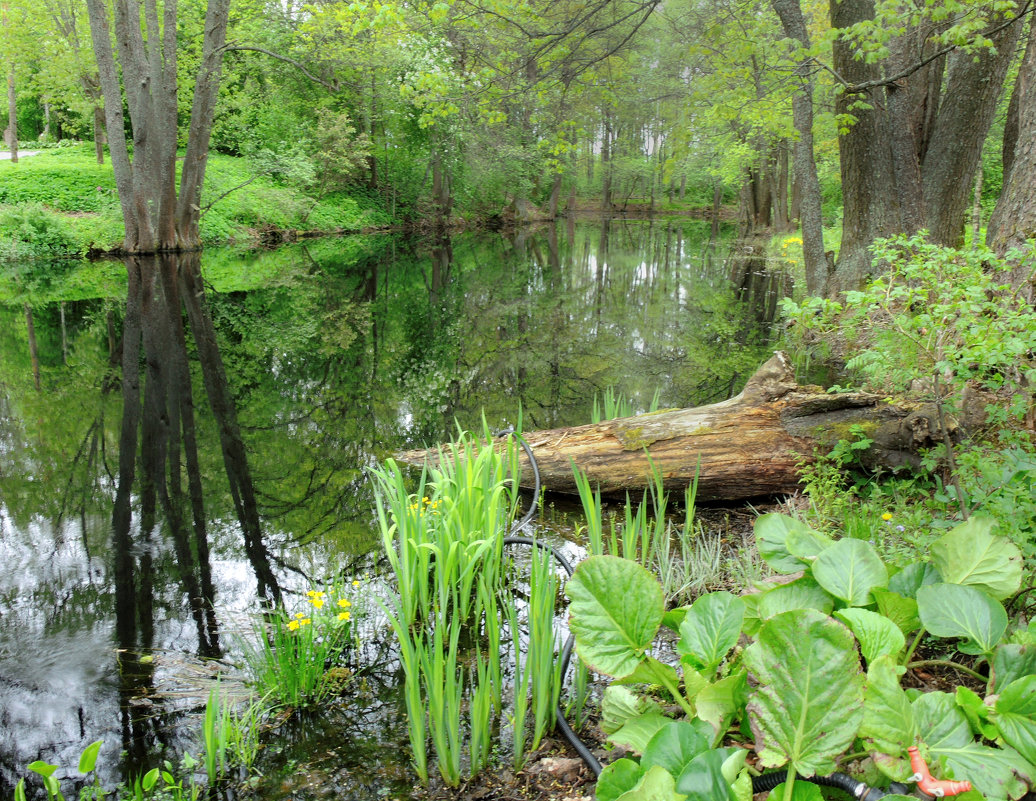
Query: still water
(183,440)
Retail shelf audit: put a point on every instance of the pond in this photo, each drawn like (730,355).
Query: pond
(147,515)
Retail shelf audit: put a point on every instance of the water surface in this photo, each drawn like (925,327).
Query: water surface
(181,442)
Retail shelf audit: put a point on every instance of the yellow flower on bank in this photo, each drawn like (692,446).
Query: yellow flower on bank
(293,625)
(299,615)
(344,615)
(886,516)
(317,602)
(356,582)
(344,603)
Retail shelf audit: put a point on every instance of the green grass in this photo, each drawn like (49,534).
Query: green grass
(62,203)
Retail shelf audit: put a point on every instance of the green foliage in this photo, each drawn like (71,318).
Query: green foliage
(63,203)
(444,543)
(937,325)
(809,702)
(288,657)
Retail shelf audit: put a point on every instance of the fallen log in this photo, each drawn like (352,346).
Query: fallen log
(752,445)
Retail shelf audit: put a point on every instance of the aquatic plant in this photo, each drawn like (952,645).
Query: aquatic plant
(445,543)
(288,656)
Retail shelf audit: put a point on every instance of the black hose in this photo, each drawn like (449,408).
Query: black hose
(857,789)
(566,650)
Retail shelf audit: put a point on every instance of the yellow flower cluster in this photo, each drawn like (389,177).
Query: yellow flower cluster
(318,599)
(424,505)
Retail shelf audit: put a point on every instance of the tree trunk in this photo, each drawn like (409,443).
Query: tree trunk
(155,219)
(203,112)
(752,445)
(1014,218)
(973,86)
(12,116)
(808,184)
(34,352)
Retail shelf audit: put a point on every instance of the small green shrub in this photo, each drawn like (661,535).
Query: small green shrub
(33,231)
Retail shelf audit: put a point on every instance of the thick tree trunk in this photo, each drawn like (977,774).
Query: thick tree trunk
(1014,219)
(973,86)
(752,445)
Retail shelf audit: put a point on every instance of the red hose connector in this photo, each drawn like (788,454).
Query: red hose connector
(929,785)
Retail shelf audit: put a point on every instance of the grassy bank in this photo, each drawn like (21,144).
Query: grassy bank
(62,203)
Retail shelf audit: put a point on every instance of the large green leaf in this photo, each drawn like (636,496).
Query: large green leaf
(803,791)
(675,745)
(876,634)
(771,534)
(849,570)
(912,577)
(888,723)
(805,543)
(803,593)
(711,628)
(1012,661)
(722,701)
(808,703)
(1016,716)
(707,777)
(617,778)
(616,608)
(997,773)
(971,554)
(619,705)
(955,610)
(655,785)
(900,609)
(637,732)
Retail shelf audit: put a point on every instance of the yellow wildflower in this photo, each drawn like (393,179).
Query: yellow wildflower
(305,621)
(356,582)
(299,615)
(317,602)
(886,516)
(344,615)
(344,603)
(293,625)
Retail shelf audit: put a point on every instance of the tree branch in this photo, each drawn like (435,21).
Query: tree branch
(331,86)
(859,88)
(208,206)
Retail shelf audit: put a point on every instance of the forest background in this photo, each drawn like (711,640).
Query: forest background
(855,121)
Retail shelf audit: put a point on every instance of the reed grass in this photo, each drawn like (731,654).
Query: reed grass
(444,543)
(522,678)
(542,663)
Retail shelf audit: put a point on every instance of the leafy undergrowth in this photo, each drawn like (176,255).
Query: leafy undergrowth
(820,671)
(62,203)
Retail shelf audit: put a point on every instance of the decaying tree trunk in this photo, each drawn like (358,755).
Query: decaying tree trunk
(750,446)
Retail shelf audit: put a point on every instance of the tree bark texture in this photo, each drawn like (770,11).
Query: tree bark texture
(908,161)
(1014,218)
(804,163)
(155,219)
(752,445)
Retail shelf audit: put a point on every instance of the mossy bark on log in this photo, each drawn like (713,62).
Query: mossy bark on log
(749,446)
